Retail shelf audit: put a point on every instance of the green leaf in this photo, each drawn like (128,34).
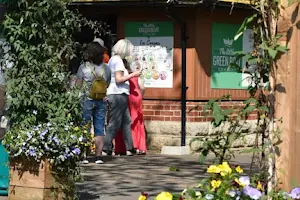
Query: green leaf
(283,49)
(272,52)
(244,26)
(203,156)
(250,100)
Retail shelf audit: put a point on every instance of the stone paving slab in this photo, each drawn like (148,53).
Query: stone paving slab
(124,178)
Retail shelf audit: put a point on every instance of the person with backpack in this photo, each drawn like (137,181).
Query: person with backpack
(95,77)
(117,94)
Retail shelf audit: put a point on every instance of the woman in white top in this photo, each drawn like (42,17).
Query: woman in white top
(117,94)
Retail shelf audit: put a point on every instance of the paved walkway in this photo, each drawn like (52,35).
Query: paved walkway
(124,178)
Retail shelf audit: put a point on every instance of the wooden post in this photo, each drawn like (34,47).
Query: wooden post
(287,102)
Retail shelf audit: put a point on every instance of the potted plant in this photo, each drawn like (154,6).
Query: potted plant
(44,139)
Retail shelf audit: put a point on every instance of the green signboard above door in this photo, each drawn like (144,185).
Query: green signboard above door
(223,74)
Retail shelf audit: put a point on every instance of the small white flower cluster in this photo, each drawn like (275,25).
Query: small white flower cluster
(59,75)
(6,60)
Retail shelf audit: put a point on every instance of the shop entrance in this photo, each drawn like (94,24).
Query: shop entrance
(86,36)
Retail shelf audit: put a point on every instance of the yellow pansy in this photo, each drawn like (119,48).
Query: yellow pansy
(198,194)
(164,196)
(76,128)
(213,169)
(259,186)
(238,169)
(238,182)
(215,184)
(85,131)
(142,197)
(224,169)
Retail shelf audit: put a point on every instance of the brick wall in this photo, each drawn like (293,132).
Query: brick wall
(161,110)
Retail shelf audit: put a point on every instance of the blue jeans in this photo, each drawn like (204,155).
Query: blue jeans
(96,110)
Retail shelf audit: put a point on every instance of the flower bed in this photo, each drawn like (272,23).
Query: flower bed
(227,183)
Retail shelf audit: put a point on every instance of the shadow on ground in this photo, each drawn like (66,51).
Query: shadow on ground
(124,178)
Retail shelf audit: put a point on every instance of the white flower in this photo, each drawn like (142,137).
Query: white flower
(245,180)
(9,64)
(231,193)
(209,196)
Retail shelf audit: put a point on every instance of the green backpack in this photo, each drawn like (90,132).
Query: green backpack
(99,86)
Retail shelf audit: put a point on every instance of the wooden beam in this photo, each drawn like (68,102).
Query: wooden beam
(287,103)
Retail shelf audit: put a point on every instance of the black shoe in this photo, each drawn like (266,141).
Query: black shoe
(131,152)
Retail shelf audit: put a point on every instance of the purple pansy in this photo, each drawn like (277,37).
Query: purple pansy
(76,151)
(245,180)
(82,139)
(43,133)
(29,136)
(32,152)
(295,193)
(55,139)
(253,193)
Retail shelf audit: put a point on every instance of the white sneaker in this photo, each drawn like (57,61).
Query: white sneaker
(129,153)
(99,160)
(105,154)
(85,161)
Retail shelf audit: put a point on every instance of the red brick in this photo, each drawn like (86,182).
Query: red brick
(208,119)
(157,113)
(148,112)
(157,107)
(201,113)
(199,119)
(147,107)
(147,117)
(167,118)
(175,118)
(175,107)
(158,118)
(177,113)
(193,113)
(190,119)
(167,107)
(166,113)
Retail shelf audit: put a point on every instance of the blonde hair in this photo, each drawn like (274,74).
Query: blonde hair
(122,48)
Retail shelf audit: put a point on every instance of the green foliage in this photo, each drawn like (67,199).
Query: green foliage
(40,41)
(229,125)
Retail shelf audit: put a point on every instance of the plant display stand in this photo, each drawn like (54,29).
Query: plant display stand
(35,185)
(4,171)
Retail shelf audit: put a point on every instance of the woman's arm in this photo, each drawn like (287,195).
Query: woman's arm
(141,85)
(120,78)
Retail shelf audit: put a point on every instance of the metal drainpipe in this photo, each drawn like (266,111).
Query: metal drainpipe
(183,74)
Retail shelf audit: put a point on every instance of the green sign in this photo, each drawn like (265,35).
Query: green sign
(223,75)
(148,29)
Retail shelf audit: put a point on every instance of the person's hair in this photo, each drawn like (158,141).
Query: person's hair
(94,53)
(122,48)
(126,64)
